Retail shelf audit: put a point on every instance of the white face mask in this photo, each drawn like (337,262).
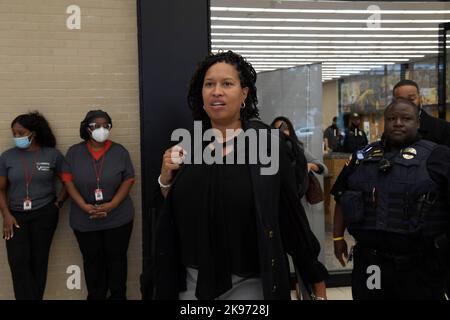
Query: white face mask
(100,134)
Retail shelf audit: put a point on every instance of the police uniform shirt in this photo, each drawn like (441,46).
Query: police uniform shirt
(43,164)
(438,166)
(116,166)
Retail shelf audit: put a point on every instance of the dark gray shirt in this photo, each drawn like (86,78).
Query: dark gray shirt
(48,163)
(117,168)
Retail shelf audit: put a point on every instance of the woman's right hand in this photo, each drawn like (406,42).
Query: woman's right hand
(93,211)
(172,160)
(9,222)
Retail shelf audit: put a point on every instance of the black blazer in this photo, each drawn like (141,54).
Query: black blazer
(434,129)
(282,227)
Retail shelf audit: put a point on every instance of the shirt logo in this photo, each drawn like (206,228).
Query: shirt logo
(43,166)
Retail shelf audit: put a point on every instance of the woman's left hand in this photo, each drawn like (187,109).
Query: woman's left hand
(313,167)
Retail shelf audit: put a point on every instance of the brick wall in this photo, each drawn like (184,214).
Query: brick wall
(64,73)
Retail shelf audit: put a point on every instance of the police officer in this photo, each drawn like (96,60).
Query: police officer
(431,128)
(394,198)
(355,138)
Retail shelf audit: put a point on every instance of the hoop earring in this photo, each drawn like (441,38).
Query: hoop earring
(243,105)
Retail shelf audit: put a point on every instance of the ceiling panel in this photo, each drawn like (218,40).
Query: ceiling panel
(346,36)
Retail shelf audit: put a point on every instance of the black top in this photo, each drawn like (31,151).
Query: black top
(434,129)
(216,202)
(354,140)
(438,166)
(333,136)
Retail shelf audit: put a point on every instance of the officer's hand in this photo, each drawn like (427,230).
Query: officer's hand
(341,251)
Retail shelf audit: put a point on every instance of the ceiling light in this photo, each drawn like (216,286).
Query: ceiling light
(318,47)
(406,21)
(321,35)
(365,11)
(320,28)
(331,51)
(312,41)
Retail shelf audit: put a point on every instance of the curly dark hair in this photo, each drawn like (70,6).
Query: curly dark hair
(34,121)
(247,77)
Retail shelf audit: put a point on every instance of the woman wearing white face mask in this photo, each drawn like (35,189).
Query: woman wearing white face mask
(100,176)
(28,202)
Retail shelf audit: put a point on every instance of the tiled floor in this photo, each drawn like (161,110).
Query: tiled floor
(342,293)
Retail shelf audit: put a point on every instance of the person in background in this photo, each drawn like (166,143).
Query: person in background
(223,230)
(99,178)
(355,138)
(29,203)
(332,137)
(314,165)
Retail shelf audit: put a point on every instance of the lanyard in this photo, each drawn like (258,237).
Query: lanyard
(98,171)
(29,177)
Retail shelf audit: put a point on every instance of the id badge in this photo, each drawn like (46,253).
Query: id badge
(27,204)
(98,195)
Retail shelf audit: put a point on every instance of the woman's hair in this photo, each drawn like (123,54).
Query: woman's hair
(36,122)
(247,77)
(91,115)
(290,127)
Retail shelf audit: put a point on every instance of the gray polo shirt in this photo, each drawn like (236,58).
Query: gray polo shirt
(48,163)
(117,168)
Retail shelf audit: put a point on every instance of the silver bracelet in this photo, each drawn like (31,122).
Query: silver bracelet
(314,297)
(164,186)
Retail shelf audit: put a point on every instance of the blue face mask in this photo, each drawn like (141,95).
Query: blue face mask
(23,142)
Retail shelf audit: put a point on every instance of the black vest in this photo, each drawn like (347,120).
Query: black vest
(399,198)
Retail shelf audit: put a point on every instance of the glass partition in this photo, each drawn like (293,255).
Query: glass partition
(296,93)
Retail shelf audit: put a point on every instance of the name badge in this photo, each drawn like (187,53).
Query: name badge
(98,195)
(27,204)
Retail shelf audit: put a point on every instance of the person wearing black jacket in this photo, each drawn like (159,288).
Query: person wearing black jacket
(355,138)
(393,198)
(223,230)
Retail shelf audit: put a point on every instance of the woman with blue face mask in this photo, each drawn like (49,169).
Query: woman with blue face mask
(28,202)
(100,176)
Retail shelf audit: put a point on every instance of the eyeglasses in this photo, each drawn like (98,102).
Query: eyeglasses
(94,126)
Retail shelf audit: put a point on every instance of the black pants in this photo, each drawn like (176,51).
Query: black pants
(105,261)
(28,251)
(403,277)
